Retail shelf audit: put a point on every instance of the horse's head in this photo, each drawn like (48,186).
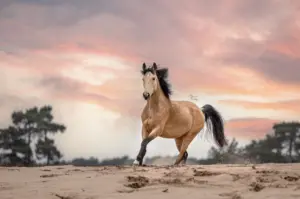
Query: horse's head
(150,80)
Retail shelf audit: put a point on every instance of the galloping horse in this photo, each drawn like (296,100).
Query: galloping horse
(180,120)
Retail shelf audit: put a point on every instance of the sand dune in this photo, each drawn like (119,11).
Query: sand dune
(207,182)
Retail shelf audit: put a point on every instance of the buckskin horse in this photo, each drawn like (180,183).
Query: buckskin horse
(166,118)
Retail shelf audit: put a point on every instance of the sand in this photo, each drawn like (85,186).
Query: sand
(152,182)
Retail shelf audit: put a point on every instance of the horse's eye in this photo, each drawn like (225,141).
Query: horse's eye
(153,78)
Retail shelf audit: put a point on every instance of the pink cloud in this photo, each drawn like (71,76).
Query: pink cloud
(228,48)
(249,128)
(291,106)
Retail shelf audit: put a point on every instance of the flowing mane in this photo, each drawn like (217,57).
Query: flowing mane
(162,75)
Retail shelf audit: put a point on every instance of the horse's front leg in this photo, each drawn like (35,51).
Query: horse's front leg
(146,140)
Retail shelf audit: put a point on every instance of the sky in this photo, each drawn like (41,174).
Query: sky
(84,58)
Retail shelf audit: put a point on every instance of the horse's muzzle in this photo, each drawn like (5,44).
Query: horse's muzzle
(146,95)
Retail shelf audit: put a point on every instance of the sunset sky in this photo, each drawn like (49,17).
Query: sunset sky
(84,58)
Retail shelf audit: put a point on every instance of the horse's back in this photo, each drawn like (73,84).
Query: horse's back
(195,112)
(184,117)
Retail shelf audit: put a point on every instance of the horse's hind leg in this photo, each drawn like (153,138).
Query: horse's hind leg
(185,157)
(178,145)
(186,140)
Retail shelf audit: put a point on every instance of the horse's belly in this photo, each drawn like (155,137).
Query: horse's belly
(172,134)
(176,128)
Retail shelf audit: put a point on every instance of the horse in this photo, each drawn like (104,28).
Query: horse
(179,120)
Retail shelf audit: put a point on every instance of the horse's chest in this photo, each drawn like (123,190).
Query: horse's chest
(152,121)
(149,124)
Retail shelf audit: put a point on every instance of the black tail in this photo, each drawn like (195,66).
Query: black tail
(215,124)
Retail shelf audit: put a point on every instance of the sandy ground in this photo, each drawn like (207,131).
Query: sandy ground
(152,182)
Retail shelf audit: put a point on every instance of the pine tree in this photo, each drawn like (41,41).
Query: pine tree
(13,146)
(289,134)
(30,125)
(45,147)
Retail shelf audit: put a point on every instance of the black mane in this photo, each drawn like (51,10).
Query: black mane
(162,75)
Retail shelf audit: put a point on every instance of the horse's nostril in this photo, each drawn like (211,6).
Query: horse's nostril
(146,95)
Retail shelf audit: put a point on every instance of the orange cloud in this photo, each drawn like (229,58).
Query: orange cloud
(208,57)
(291,106)
(107,51)
(230,81)
(290,49)
(113,96)
(249,128)
(287,44)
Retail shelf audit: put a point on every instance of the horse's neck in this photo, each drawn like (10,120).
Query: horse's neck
(157,101)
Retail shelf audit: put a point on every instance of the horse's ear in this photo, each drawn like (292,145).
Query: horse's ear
(144,66)
(154,66)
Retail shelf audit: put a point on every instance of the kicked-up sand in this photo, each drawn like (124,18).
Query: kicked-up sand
(272,181)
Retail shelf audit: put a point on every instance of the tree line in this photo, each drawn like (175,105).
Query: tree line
(28,141)
(281,146)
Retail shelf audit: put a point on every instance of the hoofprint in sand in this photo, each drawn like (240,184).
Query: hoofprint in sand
(208,182)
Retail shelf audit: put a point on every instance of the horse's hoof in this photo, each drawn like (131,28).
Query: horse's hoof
(178,165)
(136,163)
